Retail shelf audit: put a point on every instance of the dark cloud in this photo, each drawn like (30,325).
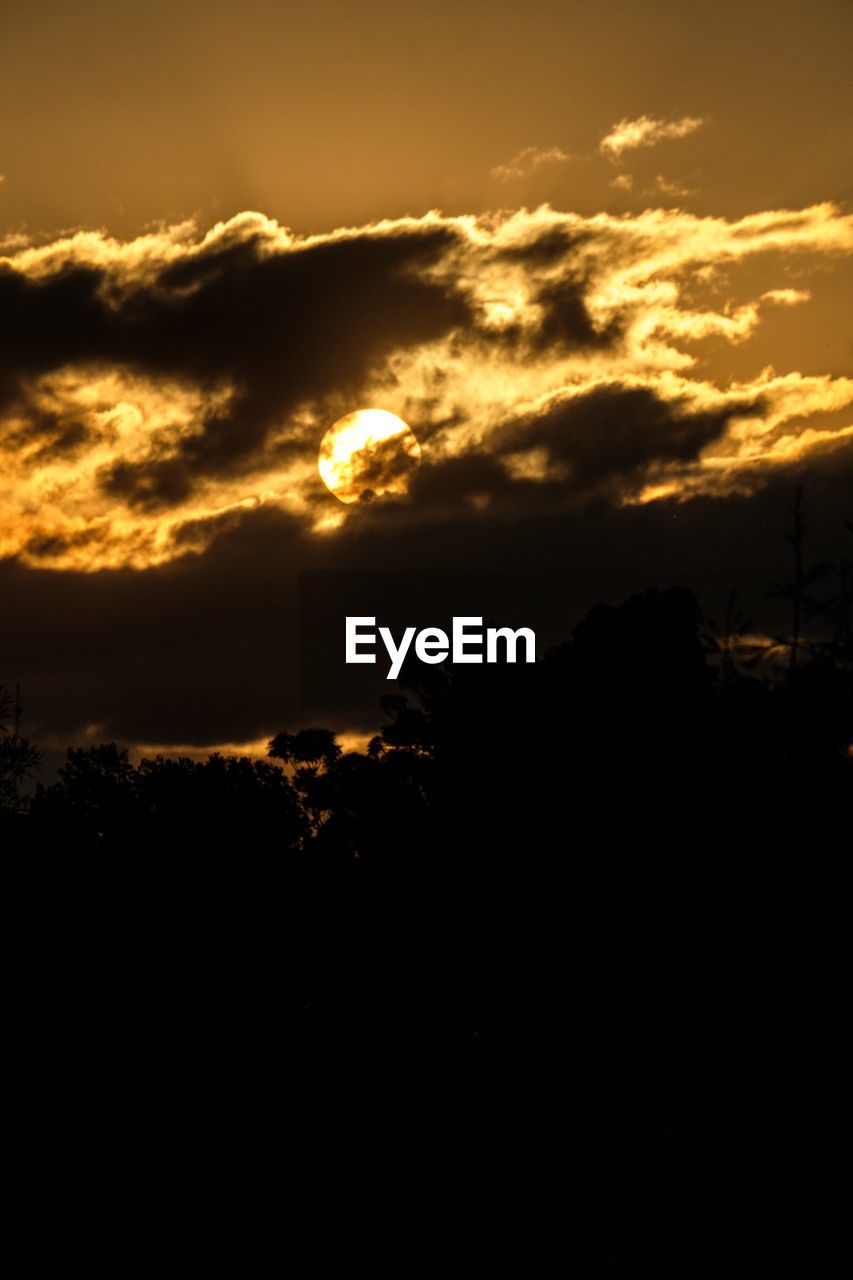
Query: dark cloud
(546,249)
(48,545)
(149,485)
(284,327)
(450,481)
(594,443)
(45,324)
(559,286)
(56,434)
(380,464)
(618,432)
(204,649)
(201,649)
(67,438)
(566,322)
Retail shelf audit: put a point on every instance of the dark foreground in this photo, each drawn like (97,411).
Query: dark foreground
(550,978)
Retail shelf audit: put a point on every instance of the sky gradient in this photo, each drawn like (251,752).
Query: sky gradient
(599,260)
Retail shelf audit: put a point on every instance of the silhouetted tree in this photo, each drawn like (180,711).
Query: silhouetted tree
(224,806)
(585,886)
(805,607)
(310,753)
(18,757)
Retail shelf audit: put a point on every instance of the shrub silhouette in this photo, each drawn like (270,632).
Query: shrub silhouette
(567,908)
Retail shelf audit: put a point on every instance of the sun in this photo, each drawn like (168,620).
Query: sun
(368,454)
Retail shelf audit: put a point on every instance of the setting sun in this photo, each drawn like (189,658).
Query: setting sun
(368,454)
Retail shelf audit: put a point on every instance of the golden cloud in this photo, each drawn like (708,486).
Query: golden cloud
(528,161)
(149,387)
(645,131)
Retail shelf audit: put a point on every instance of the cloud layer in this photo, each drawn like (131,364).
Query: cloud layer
(149,388)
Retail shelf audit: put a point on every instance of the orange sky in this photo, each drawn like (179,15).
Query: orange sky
(339,112)
(161,385)
(591,254)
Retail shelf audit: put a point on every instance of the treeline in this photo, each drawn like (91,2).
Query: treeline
(642,693)
(553,963)
(648,750)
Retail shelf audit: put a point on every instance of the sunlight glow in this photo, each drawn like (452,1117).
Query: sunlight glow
(367,454)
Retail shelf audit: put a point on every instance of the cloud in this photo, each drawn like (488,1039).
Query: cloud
(599,443)
(674,190)
(155,391)
(645,131)
(527,162)
(622,182)
(786,297)
(172,368)
(617,430)
(203,650)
